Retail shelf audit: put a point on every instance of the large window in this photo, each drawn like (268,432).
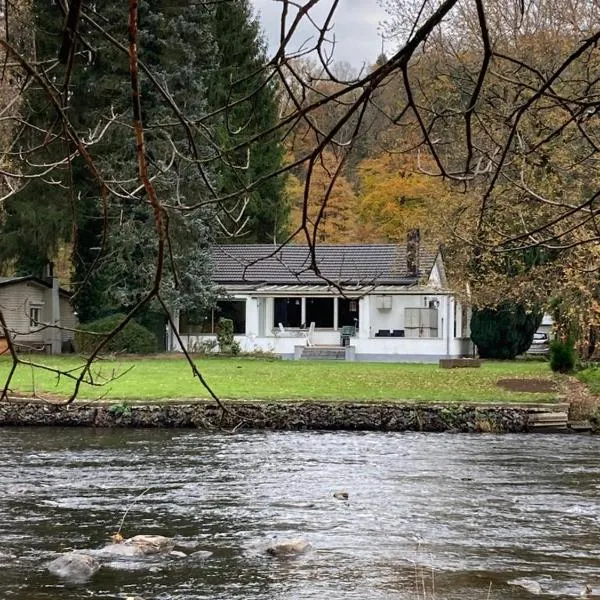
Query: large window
(288,312)
(347,312)
(235,310)
(320,312)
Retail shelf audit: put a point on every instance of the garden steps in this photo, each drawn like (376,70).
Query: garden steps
(323,353)
(548,421)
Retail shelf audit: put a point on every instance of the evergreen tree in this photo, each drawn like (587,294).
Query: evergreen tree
(504,332)
(241,74)
(175,43)
(37,219)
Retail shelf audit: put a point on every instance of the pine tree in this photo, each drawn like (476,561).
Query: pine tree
(241,74)
(175,43)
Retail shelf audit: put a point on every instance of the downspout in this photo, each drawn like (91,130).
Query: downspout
(448,300)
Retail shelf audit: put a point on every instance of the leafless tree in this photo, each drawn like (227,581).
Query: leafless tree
(501,95)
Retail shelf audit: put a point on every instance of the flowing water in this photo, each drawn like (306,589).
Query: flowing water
(458,516)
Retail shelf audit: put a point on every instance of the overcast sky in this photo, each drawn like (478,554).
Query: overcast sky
(355,28)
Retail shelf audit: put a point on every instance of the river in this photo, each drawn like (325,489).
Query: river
(458,516)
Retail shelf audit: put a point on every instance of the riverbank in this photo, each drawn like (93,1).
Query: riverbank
(286,416)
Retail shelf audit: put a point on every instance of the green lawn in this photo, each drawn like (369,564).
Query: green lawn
(591,377)
(252,379)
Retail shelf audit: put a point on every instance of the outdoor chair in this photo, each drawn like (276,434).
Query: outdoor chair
(309,333)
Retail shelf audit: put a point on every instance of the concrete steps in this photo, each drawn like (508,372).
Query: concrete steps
(548,421)
(323,353)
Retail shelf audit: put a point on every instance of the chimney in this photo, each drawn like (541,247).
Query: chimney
(412,252)
(49,271)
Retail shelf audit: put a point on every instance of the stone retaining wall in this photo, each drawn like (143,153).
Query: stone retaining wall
(294,416)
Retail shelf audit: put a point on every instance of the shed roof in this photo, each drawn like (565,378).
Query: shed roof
(7,281)
(355,264)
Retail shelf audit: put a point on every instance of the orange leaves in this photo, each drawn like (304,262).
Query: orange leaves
(396,196)
(330,203)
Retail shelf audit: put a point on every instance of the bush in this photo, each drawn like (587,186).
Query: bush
(225,339)
(505,331)
(563,357)
(133,339)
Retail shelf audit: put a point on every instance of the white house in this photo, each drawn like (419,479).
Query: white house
(38,314)
(362,302)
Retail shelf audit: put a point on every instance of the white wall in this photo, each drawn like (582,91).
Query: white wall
(394,318)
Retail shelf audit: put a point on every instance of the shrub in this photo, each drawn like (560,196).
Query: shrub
(134,338)
(225,339)
(563,357)
(505,331)
(208,346)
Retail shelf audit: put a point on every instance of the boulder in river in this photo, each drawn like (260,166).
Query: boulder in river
(141,545)
(201,554)
(530,585)
(74,566)
(340,495)
(289,548)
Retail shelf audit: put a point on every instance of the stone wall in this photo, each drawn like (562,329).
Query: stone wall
(295,416)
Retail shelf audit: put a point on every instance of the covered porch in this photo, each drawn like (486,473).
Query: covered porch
(378,324)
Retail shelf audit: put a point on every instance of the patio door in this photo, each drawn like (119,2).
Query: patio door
(347,312)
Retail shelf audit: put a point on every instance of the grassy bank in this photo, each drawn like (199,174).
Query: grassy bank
(591,377)
(243,378)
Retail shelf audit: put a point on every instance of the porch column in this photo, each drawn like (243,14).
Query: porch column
(269,316)
(335,313)
(303,311)
(364,317)
(251,316)
(172,344)
(449,301)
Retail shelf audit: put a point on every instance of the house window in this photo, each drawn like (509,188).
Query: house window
(207,323)
(320,312)
(288,312)
(234,310)
(35,317)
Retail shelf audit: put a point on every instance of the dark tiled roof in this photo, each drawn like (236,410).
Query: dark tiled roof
(342,265)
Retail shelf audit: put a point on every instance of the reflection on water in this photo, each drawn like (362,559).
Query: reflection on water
(472,511)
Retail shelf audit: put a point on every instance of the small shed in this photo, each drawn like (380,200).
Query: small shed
(38,314)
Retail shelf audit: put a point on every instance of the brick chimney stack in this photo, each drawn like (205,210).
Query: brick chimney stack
(413,238)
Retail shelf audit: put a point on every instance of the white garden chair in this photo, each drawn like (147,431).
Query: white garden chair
(309,333)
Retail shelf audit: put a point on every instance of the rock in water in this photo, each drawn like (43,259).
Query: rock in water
(151,544)
(341,495)
(289,548)
(141,545)
(75,566)
(201,554)
(533,587)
